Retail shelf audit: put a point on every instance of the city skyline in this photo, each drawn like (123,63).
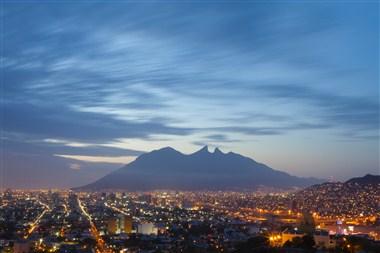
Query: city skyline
(86,89)
(329,217)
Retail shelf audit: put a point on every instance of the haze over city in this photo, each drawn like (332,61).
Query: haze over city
(85,91)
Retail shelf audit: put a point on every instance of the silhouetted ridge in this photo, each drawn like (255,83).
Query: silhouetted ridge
(203,150)
(218,152)
(170,169)
(367,179)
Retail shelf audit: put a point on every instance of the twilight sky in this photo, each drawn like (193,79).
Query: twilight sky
(87,87)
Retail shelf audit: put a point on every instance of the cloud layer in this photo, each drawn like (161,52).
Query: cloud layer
(121,79)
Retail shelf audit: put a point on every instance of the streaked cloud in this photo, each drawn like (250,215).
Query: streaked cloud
(142,76)
(100,159)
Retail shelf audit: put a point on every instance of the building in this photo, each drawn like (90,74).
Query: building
(147,229)
(119,224)
(323,239)
(289,234)
(253,229)
(126,224)
(339,227)
(112,226)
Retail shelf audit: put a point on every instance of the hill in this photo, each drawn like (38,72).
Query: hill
(357,196)
(367,179)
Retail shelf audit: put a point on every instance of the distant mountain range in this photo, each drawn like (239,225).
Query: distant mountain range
(169,169)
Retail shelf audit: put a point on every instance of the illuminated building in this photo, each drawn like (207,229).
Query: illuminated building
(119,224)
(146,229)
(112,227)
(125,224)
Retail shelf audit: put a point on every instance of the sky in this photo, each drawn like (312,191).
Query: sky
(88,86)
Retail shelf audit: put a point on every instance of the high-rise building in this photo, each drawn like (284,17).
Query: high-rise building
(112,226)
(127,224)
(119,224)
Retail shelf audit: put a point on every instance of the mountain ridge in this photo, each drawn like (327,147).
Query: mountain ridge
(167,168)
(367,179)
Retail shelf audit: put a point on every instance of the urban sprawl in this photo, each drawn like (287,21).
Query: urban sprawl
(171,221)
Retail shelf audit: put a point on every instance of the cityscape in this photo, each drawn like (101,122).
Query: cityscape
(170,126)
(201,221)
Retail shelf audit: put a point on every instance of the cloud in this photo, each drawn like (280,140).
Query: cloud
(192,72)
(100,159)
(36,171)
(358,113)
(25,145)
(217,137)
(56,122)
(75,166)
(139,76)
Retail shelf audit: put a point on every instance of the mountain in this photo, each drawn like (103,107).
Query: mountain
(367,179)
(169,169)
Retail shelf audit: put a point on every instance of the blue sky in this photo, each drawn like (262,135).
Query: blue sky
(87,85)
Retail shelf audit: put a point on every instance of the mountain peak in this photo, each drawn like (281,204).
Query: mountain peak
(164,152)
(167,149)
(218,151)
(203,150)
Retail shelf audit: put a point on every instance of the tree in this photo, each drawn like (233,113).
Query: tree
(254,244)
(308,224)
(306,242)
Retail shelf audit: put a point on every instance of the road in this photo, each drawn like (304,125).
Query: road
(37,221)
(100,244)
(116,209)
